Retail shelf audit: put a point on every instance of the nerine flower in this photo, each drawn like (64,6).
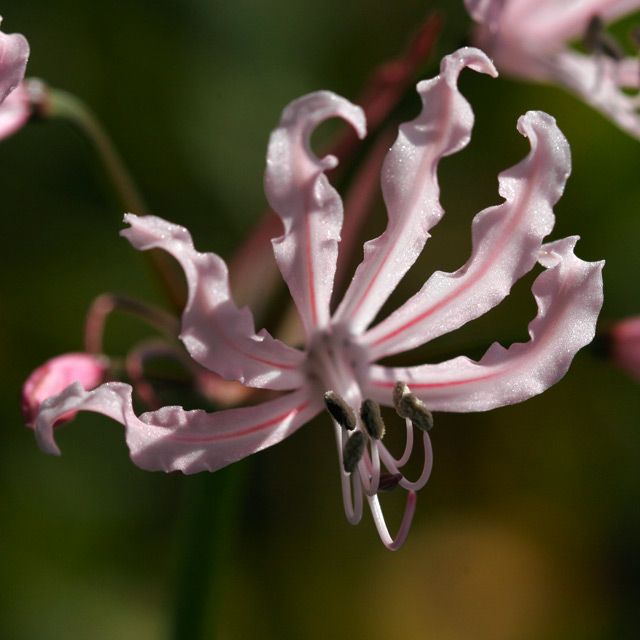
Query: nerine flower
(14,99)
(336,369)
(530,39)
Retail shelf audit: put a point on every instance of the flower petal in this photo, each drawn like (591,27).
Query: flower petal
(555,21)
(14,53)
(506,244)
(310,208)
(597,80)
(544,24)
(410,187)
(216,333)
(569,297)
(172,439)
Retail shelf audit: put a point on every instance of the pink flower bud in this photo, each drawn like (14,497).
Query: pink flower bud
(625,345)
(14,94)
(56,375)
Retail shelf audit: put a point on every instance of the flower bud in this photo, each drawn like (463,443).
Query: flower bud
(624,345)
(57,374)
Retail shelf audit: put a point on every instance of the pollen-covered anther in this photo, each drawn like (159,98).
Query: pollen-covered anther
(341,412)
(409,406)
(353,451)
(372,419)
(597,40)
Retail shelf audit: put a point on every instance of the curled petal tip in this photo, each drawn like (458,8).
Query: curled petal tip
(471,57)
(313,108)
(559,253)
(553,253)
(541,128)
(535,119)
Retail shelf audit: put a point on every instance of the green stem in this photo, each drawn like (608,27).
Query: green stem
(61,104)
(211,503)
(65,105)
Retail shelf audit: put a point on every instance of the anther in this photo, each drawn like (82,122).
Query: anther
(407,405)
(372,419)
(597,40)
(353,451)
(389,481)
(341,412)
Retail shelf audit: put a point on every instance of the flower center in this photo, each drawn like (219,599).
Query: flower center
(335,367)
(334,361)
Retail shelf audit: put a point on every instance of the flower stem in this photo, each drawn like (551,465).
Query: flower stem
(211,503)
(61,104)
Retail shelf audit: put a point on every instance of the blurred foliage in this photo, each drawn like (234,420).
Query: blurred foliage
(530,524)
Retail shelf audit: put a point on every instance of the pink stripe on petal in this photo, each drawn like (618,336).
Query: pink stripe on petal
(216,333)
(410,187)
(569,298)
(310,208)
(506,243)
(172,439)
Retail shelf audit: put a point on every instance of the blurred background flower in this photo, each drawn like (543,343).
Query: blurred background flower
(529,527)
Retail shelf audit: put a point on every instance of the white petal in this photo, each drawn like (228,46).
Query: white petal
(597,80)
(569,297)
(410,187)
(310,208)
(506,244)
(172,439)
(216,333)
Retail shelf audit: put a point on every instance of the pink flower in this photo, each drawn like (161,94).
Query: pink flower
(14,99)
(336,369)
(529,39)
(57,374)
(624,344)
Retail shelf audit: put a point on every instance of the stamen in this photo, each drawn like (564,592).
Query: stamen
(409,406)
(372,419)
(597,40)
(353,451)
(403,531)
(390,463)
(350,484)
(341,412)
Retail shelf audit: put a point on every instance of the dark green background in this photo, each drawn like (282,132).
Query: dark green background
(530,524)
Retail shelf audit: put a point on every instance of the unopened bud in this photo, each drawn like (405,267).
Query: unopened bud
(57,374)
